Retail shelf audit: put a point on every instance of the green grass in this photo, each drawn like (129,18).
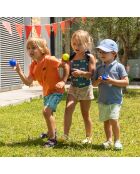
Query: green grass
(21,125)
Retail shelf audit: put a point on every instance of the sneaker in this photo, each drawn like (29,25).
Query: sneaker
(64,138)
(107,144)
(88,140)
(45,135)
(50,143)
(118,145)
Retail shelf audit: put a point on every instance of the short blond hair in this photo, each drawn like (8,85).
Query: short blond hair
(83,38)
(40,43)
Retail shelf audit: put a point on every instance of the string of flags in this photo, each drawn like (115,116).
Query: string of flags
(48,27)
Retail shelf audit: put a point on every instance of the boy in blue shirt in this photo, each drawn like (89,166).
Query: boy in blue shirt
(110,77)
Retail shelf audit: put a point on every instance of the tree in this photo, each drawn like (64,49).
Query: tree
(124,30)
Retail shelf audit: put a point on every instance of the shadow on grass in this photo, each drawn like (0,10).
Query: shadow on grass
(31,142)
(40,142)
(78,146)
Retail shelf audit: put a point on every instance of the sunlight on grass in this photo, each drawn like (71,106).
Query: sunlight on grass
(21,125)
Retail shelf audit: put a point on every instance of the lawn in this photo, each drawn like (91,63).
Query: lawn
(21,125)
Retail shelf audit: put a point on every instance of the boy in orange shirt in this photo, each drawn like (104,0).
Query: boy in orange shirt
(44,69)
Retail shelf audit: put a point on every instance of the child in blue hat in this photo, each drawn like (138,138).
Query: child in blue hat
(110,77)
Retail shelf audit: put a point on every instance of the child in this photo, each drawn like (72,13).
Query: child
(110,77)
(82,65)
(44,69)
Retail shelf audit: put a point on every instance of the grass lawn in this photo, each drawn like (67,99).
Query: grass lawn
(21,125)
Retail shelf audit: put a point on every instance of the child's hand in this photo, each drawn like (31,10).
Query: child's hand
(62,64)
(60,85)
(76,72)
(99,80)
(18,68)
(108,80)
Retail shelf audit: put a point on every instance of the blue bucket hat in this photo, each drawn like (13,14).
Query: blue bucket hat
(108,45)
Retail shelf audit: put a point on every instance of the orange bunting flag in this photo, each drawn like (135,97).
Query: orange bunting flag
(83,20)
(7,26)
(19,28)
(54,26)
(62,24)
(28,29)
(38,29)
(48,29)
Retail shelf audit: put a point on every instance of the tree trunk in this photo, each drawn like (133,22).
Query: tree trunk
(126,49)
(124,58)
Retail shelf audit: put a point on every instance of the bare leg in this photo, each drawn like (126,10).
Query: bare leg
(50,120)
(116,129)
(70,106)
(85,107)
(108,130)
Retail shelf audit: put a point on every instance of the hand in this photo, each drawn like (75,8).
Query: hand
(76,72)
(60,85)
(18,68)
(108,80)
(62,64)
(99,80)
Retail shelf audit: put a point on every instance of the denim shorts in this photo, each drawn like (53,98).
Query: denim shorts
(107,112)
(52,100)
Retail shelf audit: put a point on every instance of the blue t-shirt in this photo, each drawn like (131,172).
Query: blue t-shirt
(109,94)
(83,66)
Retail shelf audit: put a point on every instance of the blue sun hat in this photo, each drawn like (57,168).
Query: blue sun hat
(108,45)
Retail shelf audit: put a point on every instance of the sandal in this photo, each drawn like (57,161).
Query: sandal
(45,135)
(50,143)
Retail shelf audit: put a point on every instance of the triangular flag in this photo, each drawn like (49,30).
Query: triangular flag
(62,24)
(19,29)
(38,29)
(7,26)
(48,29)
(28,29)
(83,20)
(54,26)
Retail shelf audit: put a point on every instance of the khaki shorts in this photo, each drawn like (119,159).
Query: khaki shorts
(107,112)
(85,93)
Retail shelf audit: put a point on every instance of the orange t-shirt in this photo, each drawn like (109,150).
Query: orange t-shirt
(46,73)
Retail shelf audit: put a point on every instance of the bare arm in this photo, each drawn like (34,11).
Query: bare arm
(26,80)
(123,82)
(66,68)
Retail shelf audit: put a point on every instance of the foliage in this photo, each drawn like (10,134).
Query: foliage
(124,30)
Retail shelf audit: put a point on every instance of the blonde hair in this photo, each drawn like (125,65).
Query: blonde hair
(83,38)
(40,43)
